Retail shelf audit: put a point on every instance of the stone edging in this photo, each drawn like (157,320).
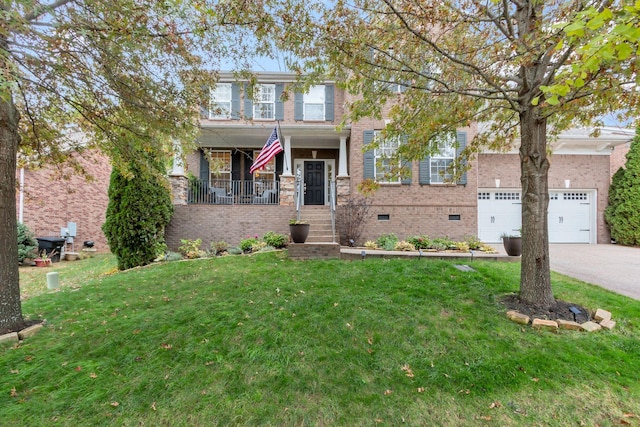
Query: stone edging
(16,337)
(602,320)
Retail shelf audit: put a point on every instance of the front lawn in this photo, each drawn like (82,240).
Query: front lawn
(263,340)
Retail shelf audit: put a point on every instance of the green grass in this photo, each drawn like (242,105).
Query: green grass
(263,340)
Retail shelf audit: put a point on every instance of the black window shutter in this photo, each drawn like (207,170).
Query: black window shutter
(328,103)
(279,103)
(369,156)
(235,101)
(298,106)
(425,170)
(462,144)
(204,166)
(248,103)
(407,166)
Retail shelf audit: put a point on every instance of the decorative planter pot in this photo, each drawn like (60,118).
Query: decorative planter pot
(71,256)
(512,245)
(299,232)
(42,262)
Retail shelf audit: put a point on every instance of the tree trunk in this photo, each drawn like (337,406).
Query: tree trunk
(10,308)
(535,275)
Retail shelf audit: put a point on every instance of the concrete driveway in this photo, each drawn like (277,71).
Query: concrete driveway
(612,267)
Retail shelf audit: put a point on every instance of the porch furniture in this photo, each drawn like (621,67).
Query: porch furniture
(219,196)
(267,197)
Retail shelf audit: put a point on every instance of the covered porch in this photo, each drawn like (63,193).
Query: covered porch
(315,153)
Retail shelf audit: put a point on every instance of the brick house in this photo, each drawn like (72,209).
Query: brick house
(216,198)
(49,198)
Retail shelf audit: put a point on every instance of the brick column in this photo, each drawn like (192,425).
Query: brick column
(179,185)
(287,190)
(343,188)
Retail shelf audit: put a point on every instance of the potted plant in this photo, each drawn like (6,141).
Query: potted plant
(512,244)
(299,230)
(44,259)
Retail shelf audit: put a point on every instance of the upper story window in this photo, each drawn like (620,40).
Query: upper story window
(386,168)
(314,102)
(264,105)
(441,167)
(220,101)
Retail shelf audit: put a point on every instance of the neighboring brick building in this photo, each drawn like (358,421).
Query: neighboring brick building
(223,201)
(50,202)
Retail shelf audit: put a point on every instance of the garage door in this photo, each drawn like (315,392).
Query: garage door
(570,215)
(499,212)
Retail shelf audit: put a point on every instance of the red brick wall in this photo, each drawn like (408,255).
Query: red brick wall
(618,157)
(413,208)
(585,172)
(229,223)
(50,202)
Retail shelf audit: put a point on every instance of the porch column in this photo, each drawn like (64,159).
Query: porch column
(178,163)
(286,164)
(342,158)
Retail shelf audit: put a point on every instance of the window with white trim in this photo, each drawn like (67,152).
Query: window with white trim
(441,166)
(386,168)
(220,101)
(264,105)
(219,165)
(314,103)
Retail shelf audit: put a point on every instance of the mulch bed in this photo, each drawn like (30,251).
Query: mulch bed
(560,310)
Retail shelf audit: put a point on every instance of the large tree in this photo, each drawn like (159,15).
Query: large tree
(490,62)
(126,77)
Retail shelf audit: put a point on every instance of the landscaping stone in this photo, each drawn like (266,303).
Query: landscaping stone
(30,331)
(591,326)
(551,325)
(607,324)
(602,315)
(9,338)
(518,317)
(569,324)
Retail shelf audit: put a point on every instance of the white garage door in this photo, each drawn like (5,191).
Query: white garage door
(571,216)
(499,212)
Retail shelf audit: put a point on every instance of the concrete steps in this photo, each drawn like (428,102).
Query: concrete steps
(319,219)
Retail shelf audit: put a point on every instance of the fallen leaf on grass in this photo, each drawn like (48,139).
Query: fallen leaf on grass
(388,392)
(408,371)
(15,371)
(495,404)
(115,404)
(78,368)
(153,406)
(93,375)
(166,346)
(484,417)
(14,393)
(420,389)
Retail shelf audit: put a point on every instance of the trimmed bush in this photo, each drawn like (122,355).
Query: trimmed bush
(27,244)
(623,213)
(387,241)
(278,241)
(138,212)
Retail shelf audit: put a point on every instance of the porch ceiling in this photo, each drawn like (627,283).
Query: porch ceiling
(254,136)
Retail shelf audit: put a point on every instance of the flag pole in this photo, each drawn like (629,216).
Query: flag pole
(284,152)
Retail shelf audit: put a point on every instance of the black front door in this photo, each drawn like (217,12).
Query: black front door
(314,183)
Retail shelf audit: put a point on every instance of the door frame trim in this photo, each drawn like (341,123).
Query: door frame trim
(329,164)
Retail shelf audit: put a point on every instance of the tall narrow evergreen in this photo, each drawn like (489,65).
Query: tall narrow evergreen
(138,212)
(623,213)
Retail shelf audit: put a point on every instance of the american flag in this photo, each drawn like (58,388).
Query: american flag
(270,149)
